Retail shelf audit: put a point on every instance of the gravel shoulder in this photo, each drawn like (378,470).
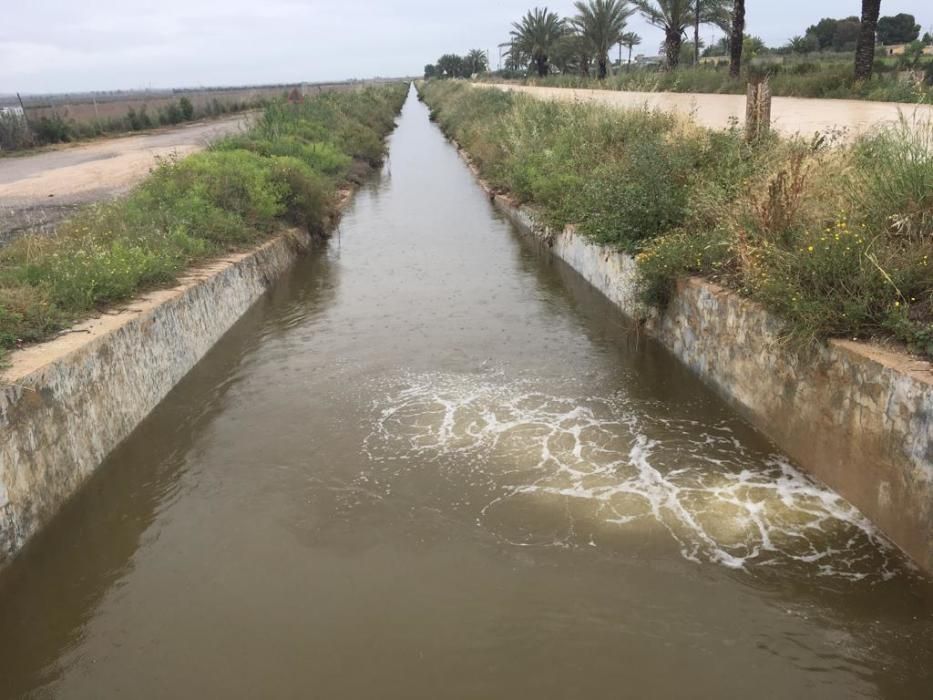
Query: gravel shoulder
(38,191)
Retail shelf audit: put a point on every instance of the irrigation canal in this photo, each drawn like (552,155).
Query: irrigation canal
(433,463)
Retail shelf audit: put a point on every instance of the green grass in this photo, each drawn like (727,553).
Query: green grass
(835,240)
(287,169)
(819,79)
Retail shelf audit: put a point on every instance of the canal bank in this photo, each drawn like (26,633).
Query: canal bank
(433,462)
(66,404)
(857,417)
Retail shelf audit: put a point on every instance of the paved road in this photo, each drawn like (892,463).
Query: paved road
(37,191)
(790,115)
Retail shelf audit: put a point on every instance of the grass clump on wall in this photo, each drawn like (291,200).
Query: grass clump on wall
(836,239)
(287,168)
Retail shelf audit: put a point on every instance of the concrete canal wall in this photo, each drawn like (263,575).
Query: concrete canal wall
(64,405)
(857,417)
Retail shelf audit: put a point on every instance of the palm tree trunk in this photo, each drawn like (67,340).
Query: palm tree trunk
(672,43)
(541,63)
(696,34)
(865,48)
(737,38)
(630,54)
(602,68)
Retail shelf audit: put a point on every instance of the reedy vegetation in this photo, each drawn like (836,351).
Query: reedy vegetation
(838,241)
(287,169)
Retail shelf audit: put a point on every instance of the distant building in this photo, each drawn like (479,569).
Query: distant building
(14,109)
(643,60)
(901,49)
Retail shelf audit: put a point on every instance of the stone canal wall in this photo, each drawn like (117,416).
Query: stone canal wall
(857,417)
(65,404)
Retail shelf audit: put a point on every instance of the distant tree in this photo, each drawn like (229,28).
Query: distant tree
(572,53)
(927,39)
(718,12)
(865,48)
(535,35)
(602,24)
(674,16)
(899,29)
(630,40)
(736,38)
(717,49)
(753,46)
(847,33)
(804,44)
(186,109)
(475,62)
(824,31)
(430,71)
(450,65)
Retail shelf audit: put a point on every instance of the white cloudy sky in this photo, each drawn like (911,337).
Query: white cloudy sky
(63,45)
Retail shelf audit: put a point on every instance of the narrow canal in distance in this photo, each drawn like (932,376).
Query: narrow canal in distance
(433,463)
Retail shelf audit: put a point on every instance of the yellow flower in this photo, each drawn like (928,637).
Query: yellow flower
(810,248)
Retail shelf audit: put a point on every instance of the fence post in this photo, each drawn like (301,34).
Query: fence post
(757,110)
(25,116)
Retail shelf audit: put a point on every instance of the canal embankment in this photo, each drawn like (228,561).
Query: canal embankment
(135,292)
(856,415)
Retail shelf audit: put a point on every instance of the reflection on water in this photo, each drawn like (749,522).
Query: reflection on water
(433,463)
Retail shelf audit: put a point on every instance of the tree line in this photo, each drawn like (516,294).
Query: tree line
(451,65)
(542,40)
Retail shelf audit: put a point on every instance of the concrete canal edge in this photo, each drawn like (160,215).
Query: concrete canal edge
(66,404)
(855,416)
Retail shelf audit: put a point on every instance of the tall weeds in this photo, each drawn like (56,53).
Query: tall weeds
(287,169)
(837,241)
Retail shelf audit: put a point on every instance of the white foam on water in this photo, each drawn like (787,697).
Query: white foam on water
(718,500)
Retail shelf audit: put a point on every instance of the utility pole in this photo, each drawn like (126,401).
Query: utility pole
(25,116)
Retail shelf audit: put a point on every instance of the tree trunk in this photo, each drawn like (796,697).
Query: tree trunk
(672,43)
(696,34)
(602,68)
(865,48)
(541,63)
(585,66)
(630,54)
(737,38)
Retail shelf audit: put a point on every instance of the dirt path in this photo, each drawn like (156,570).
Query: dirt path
(790,115)
(40,190)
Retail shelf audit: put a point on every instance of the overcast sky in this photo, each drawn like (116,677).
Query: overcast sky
(71,45)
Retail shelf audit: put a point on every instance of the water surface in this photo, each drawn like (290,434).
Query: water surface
(433,463)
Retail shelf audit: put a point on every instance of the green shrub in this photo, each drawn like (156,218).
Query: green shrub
(217,200)
(14,132)
(308,197)
(52,129)
(186,109)
(836,241)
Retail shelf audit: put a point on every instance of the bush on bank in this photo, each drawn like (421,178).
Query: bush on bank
(837,239)
(287,168)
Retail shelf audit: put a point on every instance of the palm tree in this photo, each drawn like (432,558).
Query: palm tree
(475,62)
(630,40)
(737,38)
(601,23)
(535,35)
(572,52)
(865,47)
(716,12)
(674,16)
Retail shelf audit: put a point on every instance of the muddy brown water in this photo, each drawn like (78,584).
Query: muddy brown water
(433,463)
